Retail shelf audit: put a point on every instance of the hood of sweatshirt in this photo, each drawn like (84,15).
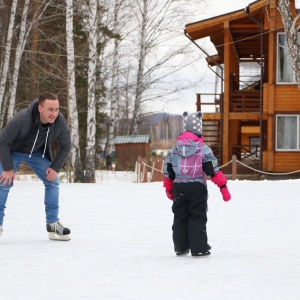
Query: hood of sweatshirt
(188,144)
(39,136)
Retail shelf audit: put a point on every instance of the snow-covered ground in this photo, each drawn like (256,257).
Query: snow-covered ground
(121,245)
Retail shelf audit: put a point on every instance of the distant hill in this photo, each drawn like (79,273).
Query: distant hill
(160,126)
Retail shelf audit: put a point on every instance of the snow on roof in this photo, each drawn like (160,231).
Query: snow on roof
(132,139)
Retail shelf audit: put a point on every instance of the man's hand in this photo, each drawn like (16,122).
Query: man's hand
(7,177)
(51,174)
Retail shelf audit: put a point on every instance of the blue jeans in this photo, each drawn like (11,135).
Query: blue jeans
(39,165)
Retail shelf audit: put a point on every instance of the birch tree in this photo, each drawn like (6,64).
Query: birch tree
(19,51)
(21,36)
(114,89)
(72,102)
(2,27)
(291,28)
(91,106)
(162,51)
(5,67)
(141,67)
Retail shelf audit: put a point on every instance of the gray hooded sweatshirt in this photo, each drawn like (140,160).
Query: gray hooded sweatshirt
(24,133)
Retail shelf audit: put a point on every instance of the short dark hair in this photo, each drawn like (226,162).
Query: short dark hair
(47,95)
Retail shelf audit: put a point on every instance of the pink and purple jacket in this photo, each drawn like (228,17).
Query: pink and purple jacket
(184,161)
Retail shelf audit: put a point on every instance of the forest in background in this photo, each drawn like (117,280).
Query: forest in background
(107,60)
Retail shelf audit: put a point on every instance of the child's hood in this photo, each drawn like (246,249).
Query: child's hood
(188,144)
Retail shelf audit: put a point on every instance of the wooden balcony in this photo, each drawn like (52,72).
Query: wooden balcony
(240,102)
(244,101)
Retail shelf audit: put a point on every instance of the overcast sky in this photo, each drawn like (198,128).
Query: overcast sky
(200,69)
(222,7)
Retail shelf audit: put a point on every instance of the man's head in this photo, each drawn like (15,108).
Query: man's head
(48,107)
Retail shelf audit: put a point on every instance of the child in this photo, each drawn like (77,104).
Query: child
(185,170)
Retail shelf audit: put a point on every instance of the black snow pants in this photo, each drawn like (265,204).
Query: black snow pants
(190,216)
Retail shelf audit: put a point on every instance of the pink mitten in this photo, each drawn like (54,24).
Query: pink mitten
(225,193)
(220,180)
(168,184)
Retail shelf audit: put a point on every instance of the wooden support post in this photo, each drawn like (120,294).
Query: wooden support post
(157,164)
(138,168)
(144,171)
(234,167)
(198,103)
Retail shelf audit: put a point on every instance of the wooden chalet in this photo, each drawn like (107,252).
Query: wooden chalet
(257,113)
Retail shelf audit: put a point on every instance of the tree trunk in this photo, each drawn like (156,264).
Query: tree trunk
(5,67)
(19,51)
(72,111)
(34,46)
(291,32)
(113,91)
(2,28)
(91,109)
(141,67)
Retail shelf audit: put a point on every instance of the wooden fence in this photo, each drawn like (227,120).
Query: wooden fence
(150,173)
(154,172)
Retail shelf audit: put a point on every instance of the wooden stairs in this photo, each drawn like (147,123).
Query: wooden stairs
(212,137)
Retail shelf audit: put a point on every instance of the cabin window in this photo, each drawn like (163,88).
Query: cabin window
(285,72)
(288,132)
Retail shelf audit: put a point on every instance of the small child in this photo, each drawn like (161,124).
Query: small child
(185,170)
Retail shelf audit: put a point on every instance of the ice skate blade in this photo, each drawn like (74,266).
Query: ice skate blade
(56,237)
(204,254)
(183,253)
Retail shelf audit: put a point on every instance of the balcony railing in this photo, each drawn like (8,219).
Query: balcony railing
(240,101)
(208,102)
(245,101)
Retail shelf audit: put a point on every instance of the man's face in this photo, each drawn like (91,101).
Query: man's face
(48,111)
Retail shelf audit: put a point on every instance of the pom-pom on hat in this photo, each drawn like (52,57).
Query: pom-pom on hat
(193,122)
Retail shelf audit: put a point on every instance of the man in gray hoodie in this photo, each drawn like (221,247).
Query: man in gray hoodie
(27,138)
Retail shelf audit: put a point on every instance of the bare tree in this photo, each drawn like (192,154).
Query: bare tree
(19,50)
(2,28)
(25,29)
(91,109)
(72,101)
(291,31)
(162,51)
(5,66)
(113,89)
(141,67)
(99,59)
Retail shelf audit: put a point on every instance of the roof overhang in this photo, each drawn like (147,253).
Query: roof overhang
(245,26)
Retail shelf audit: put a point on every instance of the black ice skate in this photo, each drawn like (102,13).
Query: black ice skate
(178,253)
(58,232)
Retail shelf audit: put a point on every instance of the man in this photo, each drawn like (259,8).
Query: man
(27,138)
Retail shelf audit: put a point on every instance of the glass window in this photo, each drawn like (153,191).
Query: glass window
(285,73)
(287,132)
(255,146)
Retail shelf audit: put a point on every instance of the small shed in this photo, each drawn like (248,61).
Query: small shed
(128,148)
